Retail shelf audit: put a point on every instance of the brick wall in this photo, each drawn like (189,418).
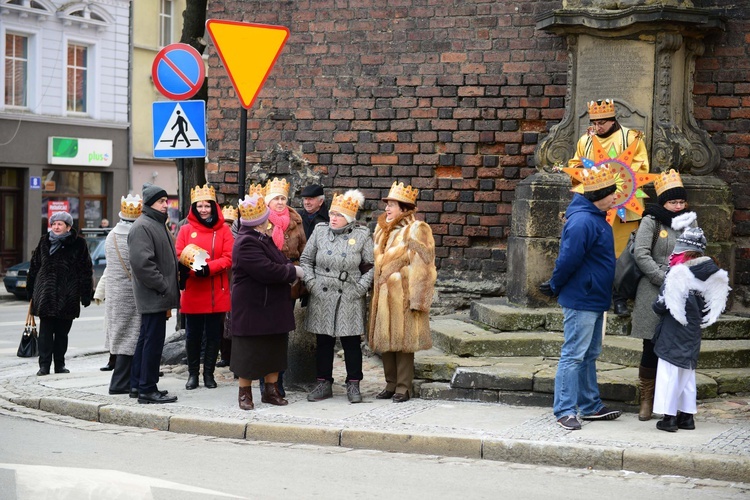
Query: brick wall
(450,97)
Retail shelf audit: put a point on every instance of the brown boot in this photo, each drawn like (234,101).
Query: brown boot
(647,382)
(271,395)
(246,398)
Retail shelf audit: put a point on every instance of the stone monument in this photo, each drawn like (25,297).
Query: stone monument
(641,53)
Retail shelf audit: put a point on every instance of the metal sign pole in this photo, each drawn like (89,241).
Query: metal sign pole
(243,151)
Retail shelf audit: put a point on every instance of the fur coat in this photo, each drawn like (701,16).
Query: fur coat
(294,236)
(654,263)
(61,282)
(338,274)
(693,297)
(404,283)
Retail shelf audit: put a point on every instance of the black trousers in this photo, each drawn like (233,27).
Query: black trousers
(649,359)
(120,381)
(144,373)
(53,341)
(352,357)
(196,327)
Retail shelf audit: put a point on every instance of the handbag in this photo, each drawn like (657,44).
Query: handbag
(627,272)
(28,347)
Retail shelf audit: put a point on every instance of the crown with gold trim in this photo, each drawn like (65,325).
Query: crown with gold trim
(252,208)
(600,110)
(229,213)
(131,206)
(256,188)
(404,194)
(595,178)
(668,180)
(347,203)
(205,193)
(277,187)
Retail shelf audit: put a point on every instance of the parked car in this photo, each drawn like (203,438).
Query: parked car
(15,276)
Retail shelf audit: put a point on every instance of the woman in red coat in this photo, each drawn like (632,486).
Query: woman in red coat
(205,297)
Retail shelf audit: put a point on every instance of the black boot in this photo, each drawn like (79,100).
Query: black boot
(209,361)
(193,348)
(621,309)
(668,423)
(685,421)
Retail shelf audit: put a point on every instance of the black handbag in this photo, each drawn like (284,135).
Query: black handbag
(28,347)
(627,272)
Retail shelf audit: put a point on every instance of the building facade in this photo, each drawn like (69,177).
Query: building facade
(64,121)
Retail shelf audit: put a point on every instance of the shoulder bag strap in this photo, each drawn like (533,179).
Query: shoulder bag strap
(656,236)
(127,271)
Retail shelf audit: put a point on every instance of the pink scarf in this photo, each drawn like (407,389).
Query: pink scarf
(280,221)
(677,258)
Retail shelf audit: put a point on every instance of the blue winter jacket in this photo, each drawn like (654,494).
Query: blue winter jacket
(585,266)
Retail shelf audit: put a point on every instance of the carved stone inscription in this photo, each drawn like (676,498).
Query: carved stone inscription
(618,69)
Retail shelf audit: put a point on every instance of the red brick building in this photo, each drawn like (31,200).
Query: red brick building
(450,97)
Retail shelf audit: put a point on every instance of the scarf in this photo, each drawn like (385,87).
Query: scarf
(280,221)
(55,241)
(661,214)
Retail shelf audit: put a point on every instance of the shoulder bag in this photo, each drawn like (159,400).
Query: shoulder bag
(627,272)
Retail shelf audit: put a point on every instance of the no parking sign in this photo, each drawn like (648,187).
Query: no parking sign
(178,71)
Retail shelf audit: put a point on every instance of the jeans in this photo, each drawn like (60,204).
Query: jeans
(575,381)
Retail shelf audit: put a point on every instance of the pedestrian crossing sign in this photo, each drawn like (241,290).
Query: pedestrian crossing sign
(179,129)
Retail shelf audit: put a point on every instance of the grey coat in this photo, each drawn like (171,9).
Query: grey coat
(153,261)
(332,261)
(654,264)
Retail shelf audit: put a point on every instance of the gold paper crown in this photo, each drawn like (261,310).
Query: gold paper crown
(347,203)
(599,110)
(256,188)
(229,213)
(193,257)
(252,207)
(403,194)
(205,193)
(595,179)
(131,207)
(277,187)
(668,180)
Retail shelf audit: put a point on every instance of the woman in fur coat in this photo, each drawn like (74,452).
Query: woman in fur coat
(693,297)
(404,282)
(60,280)
(338,262)
(662,223)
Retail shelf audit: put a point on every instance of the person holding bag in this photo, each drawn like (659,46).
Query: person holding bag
(28,347)
(661,225)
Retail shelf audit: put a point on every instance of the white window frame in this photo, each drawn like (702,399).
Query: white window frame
(33,84)
(92,82)
(166,37)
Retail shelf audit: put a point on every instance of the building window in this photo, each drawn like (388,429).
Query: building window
(81,194)
(165,23)
(16,70)
(77,78)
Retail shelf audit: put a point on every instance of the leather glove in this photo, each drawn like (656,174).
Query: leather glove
(184,272)
(546,289)
(300,272)
(85,302)
(202,272)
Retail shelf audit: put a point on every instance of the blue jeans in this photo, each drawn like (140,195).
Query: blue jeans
(575,382)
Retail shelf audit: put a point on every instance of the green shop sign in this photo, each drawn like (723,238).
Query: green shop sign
(84,152)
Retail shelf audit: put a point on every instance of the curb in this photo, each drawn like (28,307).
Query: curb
(694,465)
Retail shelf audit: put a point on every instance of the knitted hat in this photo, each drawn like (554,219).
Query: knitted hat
(691,240)
(253,210)
(312,191)
(347,204)
(63,216)
(152,193)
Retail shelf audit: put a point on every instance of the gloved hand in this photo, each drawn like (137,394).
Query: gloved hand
(546,289)
(203,271)
(300,272)
(184,272)
(86,301)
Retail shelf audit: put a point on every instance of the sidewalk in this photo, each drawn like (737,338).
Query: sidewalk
(719,447)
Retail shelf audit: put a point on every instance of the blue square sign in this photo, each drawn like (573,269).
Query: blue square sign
(179,129)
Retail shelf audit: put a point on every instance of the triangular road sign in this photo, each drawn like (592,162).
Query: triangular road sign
(248,52)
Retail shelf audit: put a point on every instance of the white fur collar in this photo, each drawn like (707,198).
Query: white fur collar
(680,281)
(685,220)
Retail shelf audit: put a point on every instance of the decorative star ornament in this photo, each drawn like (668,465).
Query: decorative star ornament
(627,181)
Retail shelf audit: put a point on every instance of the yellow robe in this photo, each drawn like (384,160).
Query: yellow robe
(639,164)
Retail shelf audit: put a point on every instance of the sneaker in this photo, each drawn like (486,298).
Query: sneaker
(352,391)
(603,414)
(570,423)
(323,390)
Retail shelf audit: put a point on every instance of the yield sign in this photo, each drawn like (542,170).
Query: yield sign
(248,52)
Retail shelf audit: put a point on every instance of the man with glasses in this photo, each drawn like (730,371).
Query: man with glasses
(614,138)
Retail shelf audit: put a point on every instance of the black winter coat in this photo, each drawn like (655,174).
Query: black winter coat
(261,296)
(309,223)
(61,282)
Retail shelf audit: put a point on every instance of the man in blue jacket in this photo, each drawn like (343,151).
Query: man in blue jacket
(582,282)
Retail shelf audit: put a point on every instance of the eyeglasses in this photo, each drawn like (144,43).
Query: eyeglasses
(677,202)
(600,122)
(334,214)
